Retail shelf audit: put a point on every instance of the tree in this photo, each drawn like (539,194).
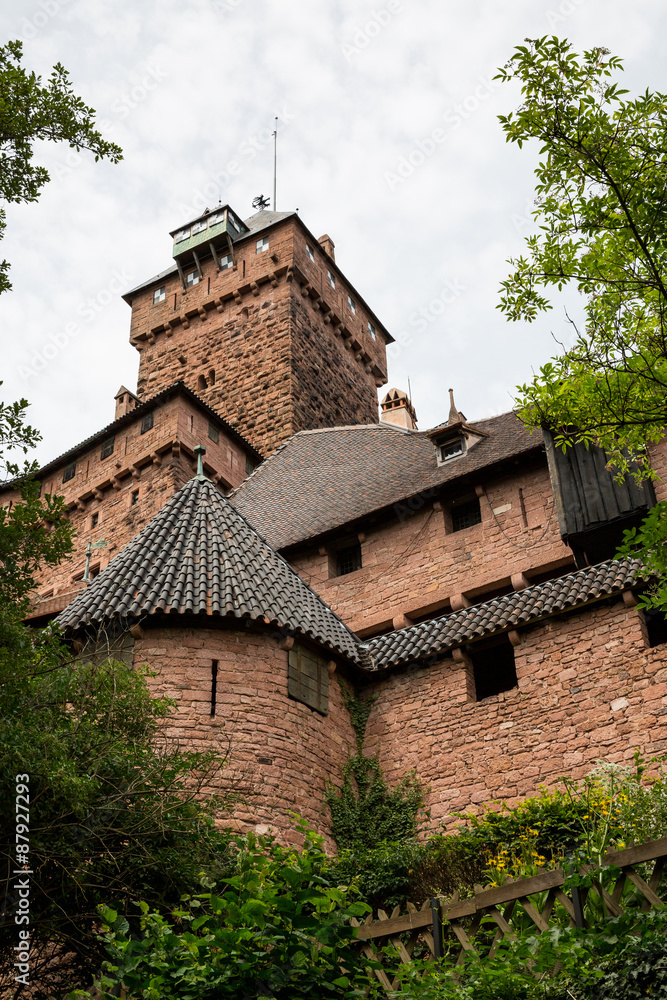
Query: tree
(30,112)
(111,812)
(601,209)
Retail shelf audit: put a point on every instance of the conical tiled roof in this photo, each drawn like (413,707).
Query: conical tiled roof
(200,556)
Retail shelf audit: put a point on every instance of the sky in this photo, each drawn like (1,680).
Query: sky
(190,90)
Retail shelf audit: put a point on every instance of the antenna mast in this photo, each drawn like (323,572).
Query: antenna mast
(275,161)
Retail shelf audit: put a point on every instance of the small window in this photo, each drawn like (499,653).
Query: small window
(94,571)
(147,422)
(249,465)
(134,498)
(192,279)
(182,234)
(200,226)
(493,667)
(309,251)
(308,679)
(226,262)
(201,383)
(159,295)
(331,279)
(235,224)
(263,244)
(452,449)
(213,432)
(348,559)
(217,217)
(655,628)
(94,520)
(69,472)
(211,376)
(107,448)
(352,304)
(466,514)
(371,329)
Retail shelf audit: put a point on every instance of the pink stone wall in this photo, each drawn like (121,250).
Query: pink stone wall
(282,752)
(589,689)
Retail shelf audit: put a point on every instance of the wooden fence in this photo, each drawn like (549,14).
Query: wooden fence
(507,909)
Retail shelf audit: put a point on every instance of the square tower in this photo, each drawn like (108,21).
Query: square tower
(259,321)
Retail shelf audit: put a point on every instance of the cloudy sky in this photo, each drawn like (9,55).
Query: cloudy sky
(190,87)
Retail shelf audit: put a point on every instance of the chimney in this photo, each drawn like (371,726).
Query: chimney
(397,409)
(327,245)
(125,401)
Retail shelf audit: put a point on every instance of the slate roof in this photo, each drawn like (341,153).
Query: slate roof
(436,637)
(321,479)
(198,555)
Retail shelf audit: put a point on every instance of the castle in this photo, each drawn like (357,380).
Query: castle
(251,528)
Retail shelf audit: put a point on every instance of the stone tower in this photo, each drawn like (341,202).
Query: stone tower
(258,320)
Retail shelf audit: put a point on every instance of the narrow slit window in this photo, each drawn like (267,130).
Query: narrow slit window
(331,278)
(214,686)
(309,251)
(371,330)
(352,305)
(134,499)
(213,432)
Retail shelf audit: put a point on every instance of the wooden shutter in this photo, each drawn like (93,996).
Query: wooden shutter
(308,679)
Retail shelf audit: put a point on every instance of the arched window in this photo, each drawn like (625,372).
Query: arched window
(201,383)
(211,377)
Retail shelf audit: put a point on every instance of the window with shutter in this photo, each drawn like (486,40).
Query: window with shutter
(308,679)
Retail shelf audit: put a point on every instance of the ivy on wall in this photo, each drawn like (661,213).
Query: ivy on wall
(365,811)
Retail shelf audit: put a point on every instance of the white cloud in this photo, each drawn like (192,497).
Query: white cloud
(182,84)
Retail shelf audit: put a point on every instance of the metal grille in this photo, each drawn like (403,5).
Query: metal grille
(348,559)
(466,514)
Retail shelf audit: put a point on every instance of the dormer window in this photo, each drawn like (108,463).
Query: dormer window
(452,449)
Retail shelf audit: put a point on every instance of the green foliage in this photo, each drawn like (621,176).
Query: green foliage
(30,112)
(274,927)
(601,200)
(365,812)
(112,808)
(34,532)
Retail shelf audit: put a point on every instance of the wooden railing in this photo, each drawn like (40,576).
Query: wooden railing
(508,909)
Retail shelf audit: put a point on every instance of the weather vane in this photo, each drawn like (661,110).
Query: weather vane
(260,202)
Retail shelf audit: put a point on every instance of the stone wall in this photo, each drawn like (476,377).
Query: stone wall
(282,752)
(414,565)
(269,344)
(589,689)
(112,498)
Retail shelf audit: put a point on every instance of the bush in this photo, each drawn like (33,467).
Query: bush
(276,927)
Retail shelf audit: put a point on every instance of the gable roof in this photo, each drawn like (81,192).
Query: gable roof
(199,556)
(132,415)
(322,479)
